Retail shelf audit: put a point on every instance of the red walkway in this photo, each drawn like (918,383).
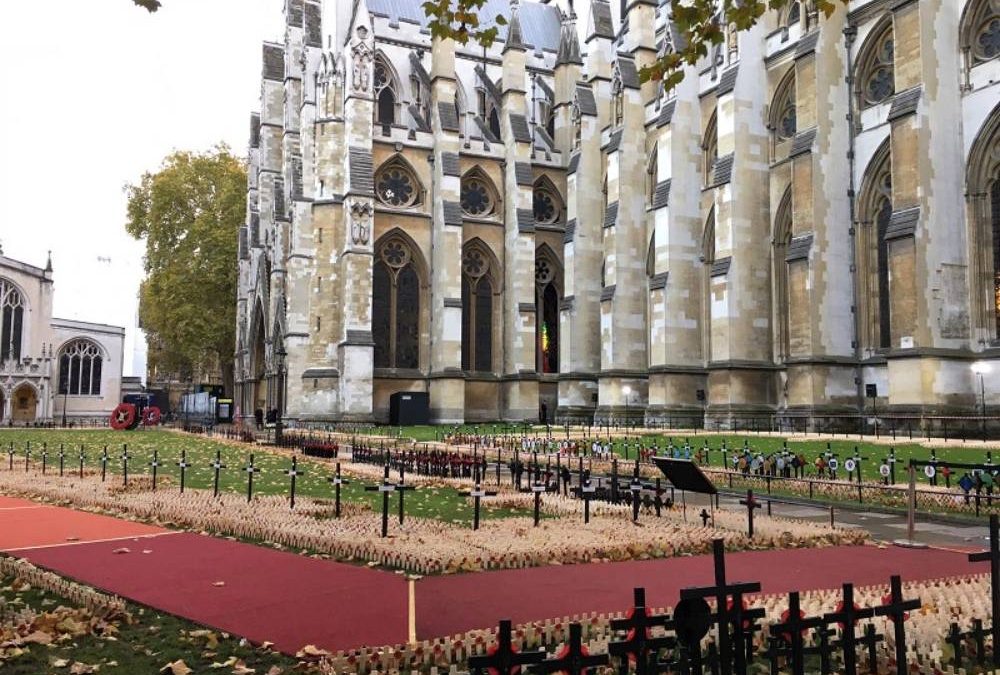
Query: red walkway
(454,604)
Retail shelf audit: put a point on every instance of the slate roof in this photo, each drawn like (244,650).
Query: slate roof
(905,103)
(720,267)
(540,24)
(798,248)
(449,164)
(902,223)
(661,195)
(585,100)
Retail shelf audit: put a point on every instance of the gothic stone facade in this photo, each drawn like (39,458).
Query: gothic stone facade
(815,207)
(50,367)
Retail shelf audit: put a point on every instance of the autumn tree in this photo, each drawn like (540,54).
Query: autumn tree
(189,213)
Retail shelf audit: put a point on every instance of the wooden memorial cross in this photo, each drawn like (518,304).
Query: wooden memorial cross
(751,505)
(993,557)
(586,492)
(896,610)
(870,640)
(639,644)
(337,480)
(792,630)
(401,488)
(636,489)
(537,487)
(218,466)
(732,648)
(847,615)
(293,473)
(155,463)
(614,480)
(573,658)
(477,493)
(83,458)
(704,515)
(27,456)
(125,458)
(10,457)
(504,658)
(45,454)
(183,464)
(384,488)
(250,470)
(104,463)
(62,459)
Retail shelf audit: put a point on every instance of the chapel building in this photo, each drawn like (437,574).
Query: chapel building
(52,369)
(529,227)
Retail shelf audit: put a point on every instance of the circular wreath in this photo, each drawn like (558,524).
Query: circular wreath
(151,416)
(123,417)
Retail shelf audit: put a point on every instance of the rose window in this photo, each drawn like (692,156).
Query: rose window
(395,186)
(545,207)
(476,197)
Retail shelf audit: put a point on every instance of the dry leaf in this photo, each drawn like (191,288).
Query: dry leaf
(311,652)
(275,670)
(219,583)
(241,669)
(79,668)
(121,550)
(178,667)
(59,663)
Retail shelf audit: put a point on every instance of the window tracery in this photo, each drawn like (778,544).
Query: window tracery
(80,369)
(386,93)
(877,76)
(11,321)
(396,305)
(396,185)
(478,198)
(477,309)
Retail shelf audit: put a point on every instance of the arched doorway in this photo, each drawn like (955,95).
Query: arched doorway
(25,404)
(259,369)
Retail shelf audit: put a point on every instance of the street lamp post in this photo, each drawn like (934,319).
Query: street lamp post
(981,368)
(65,395)
(627,390)
(281,354)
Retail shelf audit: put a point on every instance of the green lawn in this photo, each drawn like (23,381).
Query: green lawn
(440,503)
(145,646)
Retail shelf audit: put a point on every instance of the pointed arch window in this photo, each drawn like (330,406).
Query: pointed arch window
(995,228)
(877,204)
(980,31)
(386,93)
(617,99)
(783,120)
(478,197)
(396,305)
(397,186)
(710,149)
(876,79)
(80,365)
(477,309)
(546,203)
(11,321)
(577,124)
(547,273)
(782,238)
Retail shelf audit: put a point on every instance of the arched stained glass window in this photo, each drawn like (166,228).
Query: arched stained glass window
(396,185)
(478,199)
(877,76)
(80,369)
(477,310)
(396,305)
(385,93)
(11,321)
(547,302)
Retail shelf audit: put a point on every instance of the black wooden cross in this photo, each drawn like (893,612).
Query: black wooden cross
(10,457)
(731,647)
(477,493)
(586,492)
(993,557)
(83,458)
(45,455)
(293,473)
(104,463)
(218,466)
(250,469)
(847,615)
(573,658)
(792,628)
(27,456)
(639,643)
(636,488)
(336,480)
(614,480)
(125,458)
(155,464)
(704,515)
(751,504)
(62,459)
(956,639)
(870,639)
(385,488)
(504,658)
(537,487)
(401,488)
(896,610)
(183,464)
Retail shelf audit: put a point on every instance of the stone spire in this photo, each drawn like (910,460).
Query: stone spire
(48,263)
(569,42)
(515,38)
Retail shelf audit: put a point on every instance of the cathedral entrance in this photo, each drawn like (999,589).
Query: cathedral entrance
(24,404)
(259,370)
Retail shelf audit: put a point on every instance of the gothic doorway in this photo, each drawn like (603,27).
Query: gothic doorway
(25,404)
(259,371)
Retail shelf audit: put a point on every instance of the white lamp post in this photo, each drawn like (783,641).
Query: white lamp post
(981,368)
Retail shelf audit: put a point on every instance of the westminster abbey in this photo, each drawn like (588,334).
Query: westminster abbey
(809,220)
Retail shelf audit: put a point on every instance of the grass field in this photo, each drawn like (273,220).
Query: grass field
(439,503)
(145,646)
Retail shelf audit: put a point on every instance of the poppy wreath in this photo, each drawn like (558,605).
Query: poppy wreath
(151,416)
(123,417)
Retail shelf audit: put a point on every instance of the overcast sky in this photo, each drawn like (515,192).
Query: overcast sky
(96,92)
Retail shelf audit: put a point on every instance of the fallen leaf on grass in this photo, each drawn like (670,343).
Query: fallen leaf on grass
(311,652)
(79,668)
(241,669)
(59,663)
(178,667)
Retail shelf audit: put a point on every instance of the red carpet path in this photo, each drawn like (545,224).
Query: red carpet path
(292,600)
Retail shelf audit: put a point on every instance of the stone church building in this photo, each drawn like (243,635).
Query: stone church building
(51,369)
(814,209)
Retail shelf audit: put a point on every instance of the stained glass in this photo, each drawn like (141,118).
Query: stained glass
(880,85)
(407,313)
(989,38)
(12,304)
(878,78)
(381,314)
(544,206)
(395,187)
(882,222)
(550,330)
(80,369)
(476,197)
(484,325)
(787,123)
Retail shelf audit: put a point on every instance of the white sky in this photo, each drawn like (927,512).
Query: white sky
(96,92)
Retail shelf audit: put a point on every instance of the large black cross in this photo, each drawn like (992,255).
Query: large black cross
(218,466)
(337,480)
(83,458)
(537,488)
(125,458)
(586,491)
(870,640)
(104,463)
(385,488)
(751,505)
(639,642)
(896,610)
(792,628)
(730,646)
(183,464)
(62,459)
(27,457)
(155,463)
(847,616)
(10,457)
(477,494)
(993,557)
(293,473)
(575,661)
(505,659)
(250,470)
